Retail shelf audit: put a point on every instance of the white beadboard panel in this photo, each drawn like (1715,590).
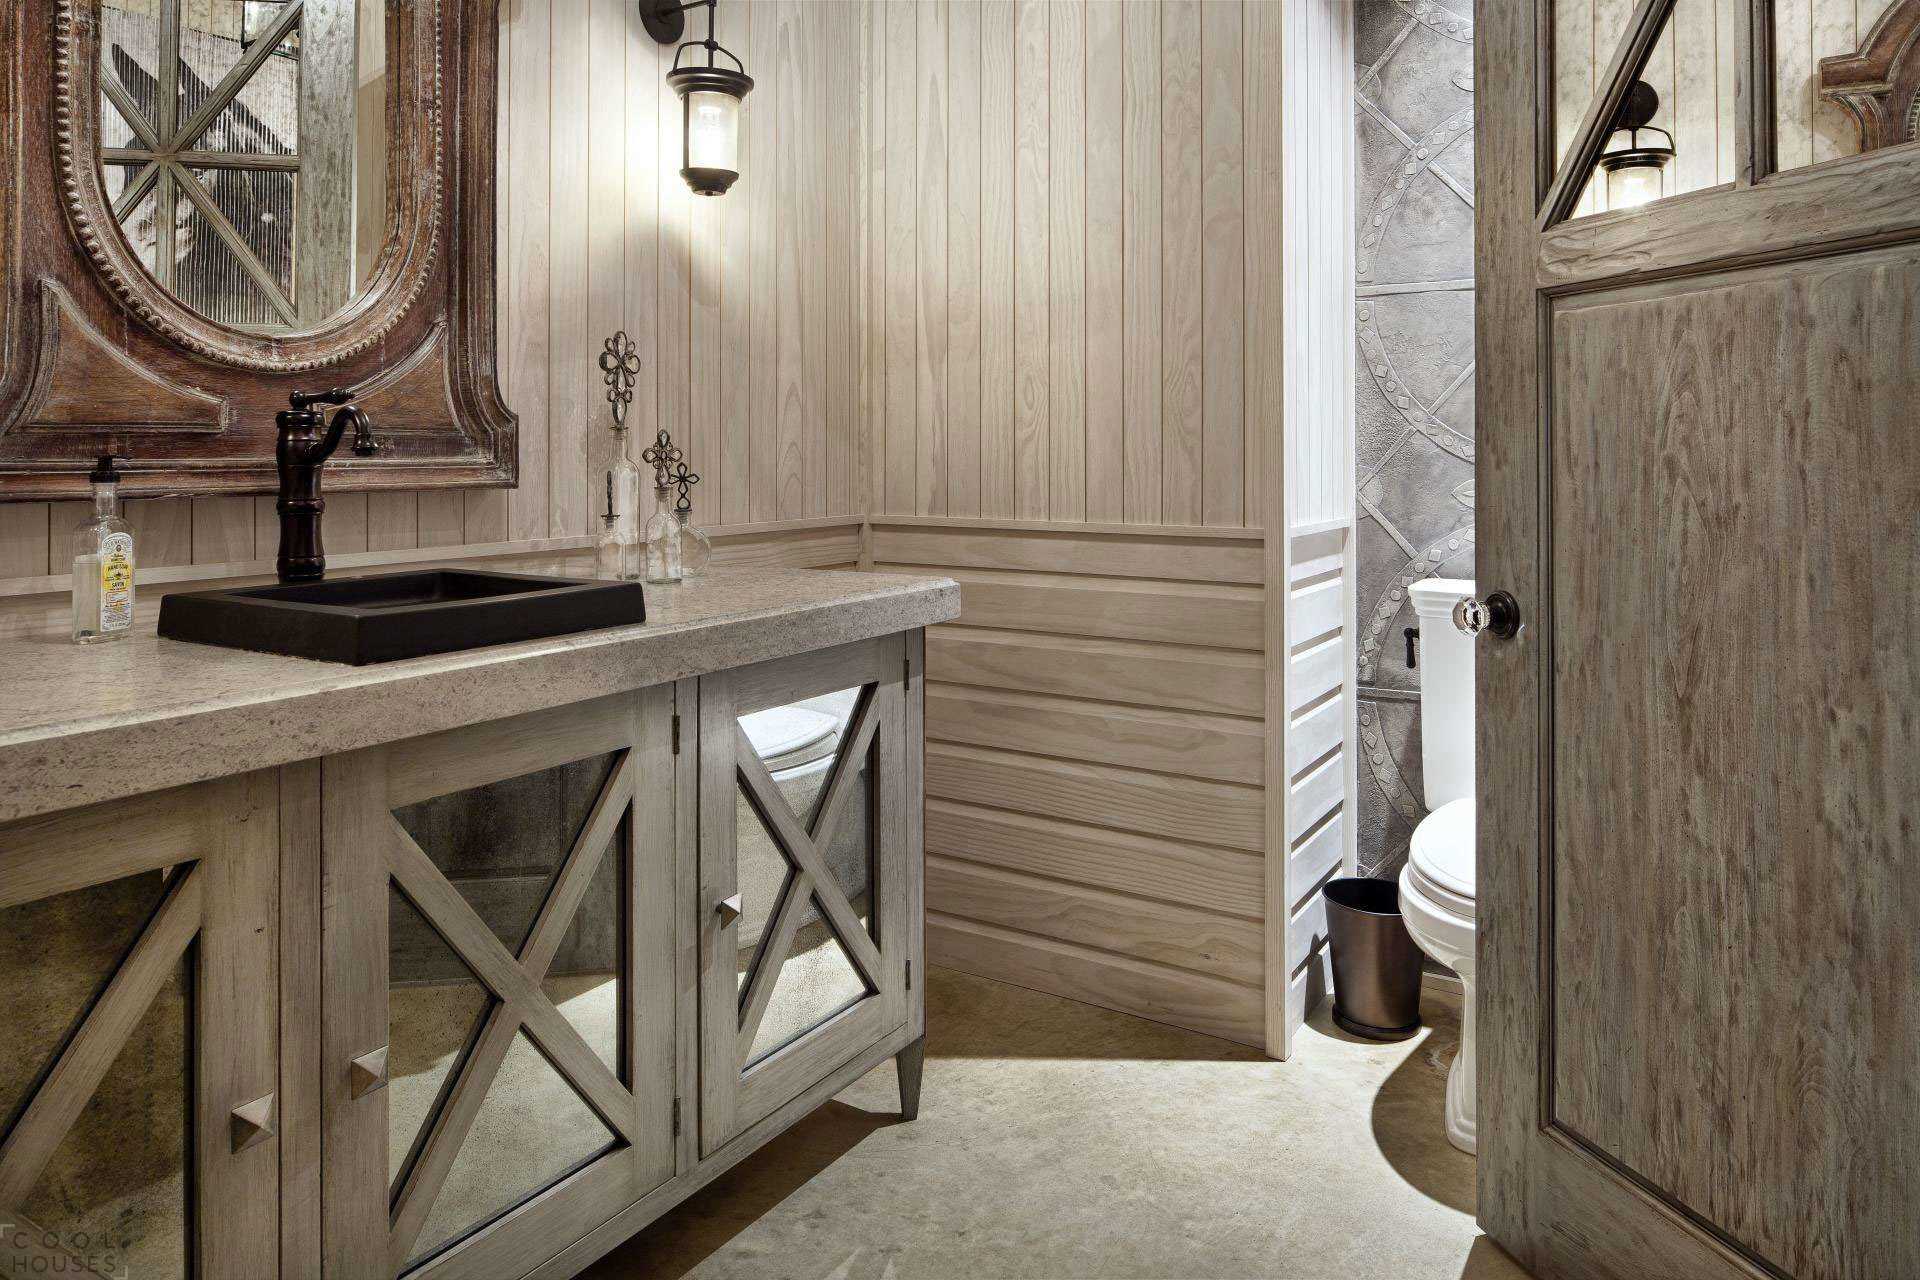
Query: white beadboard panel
(1317,233)
(598,232)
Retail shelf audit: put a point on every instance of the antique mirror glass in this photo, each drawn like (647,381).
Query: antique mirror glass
(243,149)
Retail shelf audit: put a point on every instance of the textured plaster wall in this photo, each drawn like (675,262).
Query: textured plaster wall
(1414,382)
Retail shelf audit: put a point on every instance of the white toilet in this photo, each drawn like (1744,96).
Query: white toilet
(1437,886)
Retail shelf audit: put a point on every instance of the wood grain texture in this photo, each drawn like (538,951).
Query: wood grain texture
(1675,1090)
(1781,796)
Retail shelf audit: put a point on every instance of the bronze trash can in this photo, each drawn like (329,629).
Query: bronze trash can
(1376,964)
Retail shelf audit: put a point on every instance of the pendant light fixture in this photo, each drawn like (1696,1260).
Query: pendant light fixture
(1637,154)
(710,97)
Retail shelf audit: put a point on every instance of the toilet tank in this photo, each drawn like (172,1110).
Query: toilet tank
(1446,691)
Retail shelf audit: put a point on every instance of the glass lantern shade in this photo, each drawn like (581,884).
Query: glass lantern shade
(1636,162)
(710,100)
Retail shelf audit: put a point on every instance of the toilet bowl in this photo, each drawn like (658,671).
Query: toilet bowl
(1437,885)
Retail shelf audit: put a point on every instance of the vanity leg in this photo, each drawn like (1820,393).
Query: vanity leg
(907,1063)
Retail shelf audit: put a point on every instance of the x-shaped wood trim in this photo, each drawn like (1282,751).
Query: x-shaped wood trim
(810,877)
(1643,32)
(85,1060)
(515,981)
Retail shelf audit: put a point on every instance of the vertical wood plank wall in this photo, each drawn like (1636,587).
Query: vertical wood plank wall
(999,294)
(745,309)
(1078,409)
(1692,70)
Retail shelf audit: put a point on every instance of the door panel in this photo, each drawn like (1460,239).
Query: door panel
(138,1068)
(803,872)
(1733,601)
(500,1042)
(1700,1047)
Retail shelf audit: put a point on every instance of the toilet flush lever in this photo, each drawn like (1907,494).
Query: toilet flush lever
(1499,614)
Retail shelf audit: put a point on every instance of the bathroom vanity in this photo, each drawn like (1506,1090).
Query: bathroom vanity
(467,965)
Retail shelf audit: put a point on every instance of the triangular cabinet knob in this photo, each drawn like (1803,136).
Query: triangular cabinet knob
(252,1122)
(368,1072)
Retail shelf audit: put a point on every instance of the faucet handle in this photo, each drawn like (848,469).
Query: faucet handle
(302,400)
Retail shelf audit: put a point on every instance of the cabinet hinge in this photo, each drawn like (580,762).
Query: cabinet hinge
(676,747)
(676,1117)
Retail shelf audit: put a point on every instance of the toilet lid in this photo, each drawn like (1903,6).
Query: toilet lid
(1442,854)
(784,737)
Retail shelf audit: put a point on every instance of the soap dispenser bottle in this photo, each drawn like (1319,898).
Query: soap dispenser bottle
(103,563)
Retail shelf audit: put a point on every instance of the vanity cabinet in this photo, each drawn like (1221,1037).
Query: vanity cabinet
(470,966)
(498,960)
(139,1036)
(577,961)
(805,868)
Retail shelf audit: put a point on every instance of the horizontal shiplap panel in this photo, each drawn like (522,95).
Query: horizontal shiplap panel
(789,549)
(1188,937)
(1313,796)
(1314,673)
(1187,742)
(1223,617)
(1195,874)
(1316,610)
(1318,854)
(1121,556)
(1140,987)
(1314,734)
(1136,671)
(1101,795)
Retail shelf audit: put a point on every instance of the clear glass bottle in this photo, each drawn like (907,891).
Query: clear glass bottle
(663,539)
(626,497)
(615,556)
(696,549)
(103,563)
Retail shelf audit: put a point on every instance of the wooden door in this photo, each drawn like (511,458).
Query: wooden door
(138,1043)
(808,892)
(498,966)
(1699,474)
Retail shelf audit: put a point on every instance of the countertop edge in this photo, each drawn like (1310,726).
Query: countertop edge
(97,762)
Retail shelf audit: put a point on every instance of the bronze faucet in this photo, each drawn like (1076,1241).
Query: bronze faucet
(304,447)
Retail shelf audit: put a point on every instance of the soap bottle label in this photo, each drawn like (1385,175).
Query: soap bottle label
(116,582)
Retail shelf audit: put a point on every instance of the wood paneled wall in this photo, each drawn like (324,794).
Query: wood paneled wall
(1079,409)
(1076,223)
(747,309)
(1095,813)
(1692,69)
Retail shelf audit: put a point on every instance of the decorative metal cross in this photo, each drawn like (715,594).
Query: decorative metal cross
(620,362)
(684,477)
(661,456)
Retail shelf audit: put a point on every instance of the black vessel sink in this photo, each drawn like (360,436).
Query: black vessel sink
(399,615)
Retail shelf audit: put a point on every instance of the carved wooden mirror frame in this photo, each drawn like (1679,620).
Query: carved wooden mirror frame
(97,356)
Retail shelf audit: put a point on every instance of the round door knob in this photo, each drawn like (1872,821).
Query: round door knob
(1499,614)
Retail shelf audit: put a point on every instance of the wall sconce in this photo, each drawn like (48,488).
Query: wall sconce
(710,98)
(1635,159)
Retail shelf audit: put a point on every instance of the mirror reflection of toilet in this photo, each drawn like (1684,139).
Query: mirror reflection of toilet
(1437,884)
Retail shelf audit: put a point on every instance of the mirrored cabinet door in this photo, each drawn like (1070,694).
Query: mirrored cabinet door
(499,1042)
(804,898)
(139,1108)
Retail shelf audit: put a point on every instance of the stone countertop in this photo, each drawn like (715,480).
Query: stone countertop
(85,723)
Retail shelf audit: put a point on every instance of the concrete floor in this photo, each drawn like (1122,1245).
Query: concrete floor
(1058,1141)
